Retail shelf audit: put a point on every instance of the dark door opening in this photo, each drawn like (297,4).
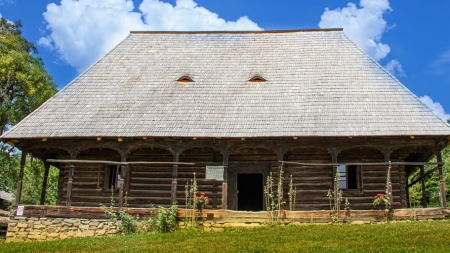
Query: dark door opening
(250,192)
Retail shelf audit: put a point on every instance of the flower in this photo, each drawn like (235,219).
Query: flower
(203,199)
(379,199)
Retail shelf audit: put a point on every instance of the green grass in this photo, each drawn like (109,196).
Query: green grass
(395,237)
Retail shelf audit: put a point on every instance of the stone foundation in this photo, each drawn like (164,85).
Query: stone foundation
(41,223)
(40,229)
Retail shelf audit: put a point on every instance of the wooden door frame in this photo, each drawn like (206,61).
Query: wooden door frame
(263,168)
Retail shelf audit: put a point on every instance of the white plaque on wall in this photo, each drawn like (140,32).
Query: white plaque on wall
(214,172)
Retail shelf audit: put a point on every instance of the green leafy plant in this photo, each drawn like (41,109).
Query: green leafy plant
(163,220)
(335,195)
(128,224)
(274,200)
(190,192)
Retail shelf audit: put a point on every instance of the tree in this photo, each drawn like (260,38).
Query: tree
(432,183)
(24,82)
(24,85)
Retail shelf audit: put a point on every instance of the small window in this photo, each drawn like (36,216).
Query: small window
(185,79)
(257,79)
(113,177)
(350,177)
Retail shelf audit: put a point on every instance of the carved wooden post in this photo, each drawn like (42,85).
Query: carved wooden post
(73,156)
(174,184)
(441,178)
(334,152)
(387,158)
(20,181)
(122,177)
(424,194)
(44,182)
(69,186)
(121,184)
(226,155)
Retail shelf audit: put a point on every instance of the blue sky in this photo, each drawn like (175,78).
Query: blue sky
(410,38)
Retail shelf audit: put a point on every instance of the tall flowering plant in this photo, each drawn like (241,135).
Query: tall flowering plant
(203,199)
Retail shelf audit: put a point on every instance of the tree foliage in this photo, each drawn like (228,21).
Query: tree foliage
(431,183)
(24,85)
(24,82)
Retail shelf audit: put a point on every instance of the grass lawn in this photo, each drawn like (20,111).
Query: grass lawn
(433,236)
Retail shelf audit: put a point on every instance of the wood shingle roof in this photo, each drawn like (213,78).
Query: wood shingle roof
(318,83)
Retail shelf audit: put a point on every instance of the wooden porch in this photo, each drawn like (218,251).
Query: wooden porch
(242,217)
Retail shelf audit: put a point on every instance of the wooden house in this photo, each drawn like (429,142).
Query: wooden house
(162,106)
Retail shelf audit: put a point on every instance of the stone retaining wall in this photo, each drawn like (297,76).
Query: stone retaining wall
(40,229)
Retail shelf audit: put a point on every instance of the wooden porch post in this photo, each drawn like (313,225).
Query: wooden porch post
(334,152)
(226,155)
(387,158)
(20,181)
(44,182)
(123,159)
(424,194)
(69,186)
(441,178)
(73,156)
(174,184)
(121,184)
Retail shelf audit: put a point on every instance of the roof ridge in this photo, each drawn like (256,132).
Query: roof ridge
(239,32)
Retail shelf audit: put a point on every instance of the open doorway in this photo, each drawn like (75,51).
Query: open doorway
(250,192)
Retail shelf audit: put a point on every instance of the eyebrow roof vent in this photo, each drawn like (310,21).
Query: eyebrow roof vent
(257,79)
(185,79)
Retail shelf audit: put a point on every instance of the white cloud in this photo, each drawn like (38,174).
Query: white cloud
(436,107)
(364,25)
(2,2)
(82,31)
(395,68)
(187,15)
(441,66)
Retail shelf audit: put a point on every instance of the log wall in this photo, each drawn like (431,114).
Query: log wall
(146,185)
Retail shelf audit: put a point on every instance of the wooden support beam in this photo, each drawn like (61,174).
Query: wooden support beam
(69,186)
(121,185)
(23,160)
(334,152)
(226,154)
(441,178)
(44,183)
(115,163)
(174,184)
(424,193)
(362,164)
(73,156)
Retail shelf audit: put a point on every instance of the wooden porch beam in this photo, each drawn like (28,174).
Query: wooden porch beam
(366,164)
(115,163)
